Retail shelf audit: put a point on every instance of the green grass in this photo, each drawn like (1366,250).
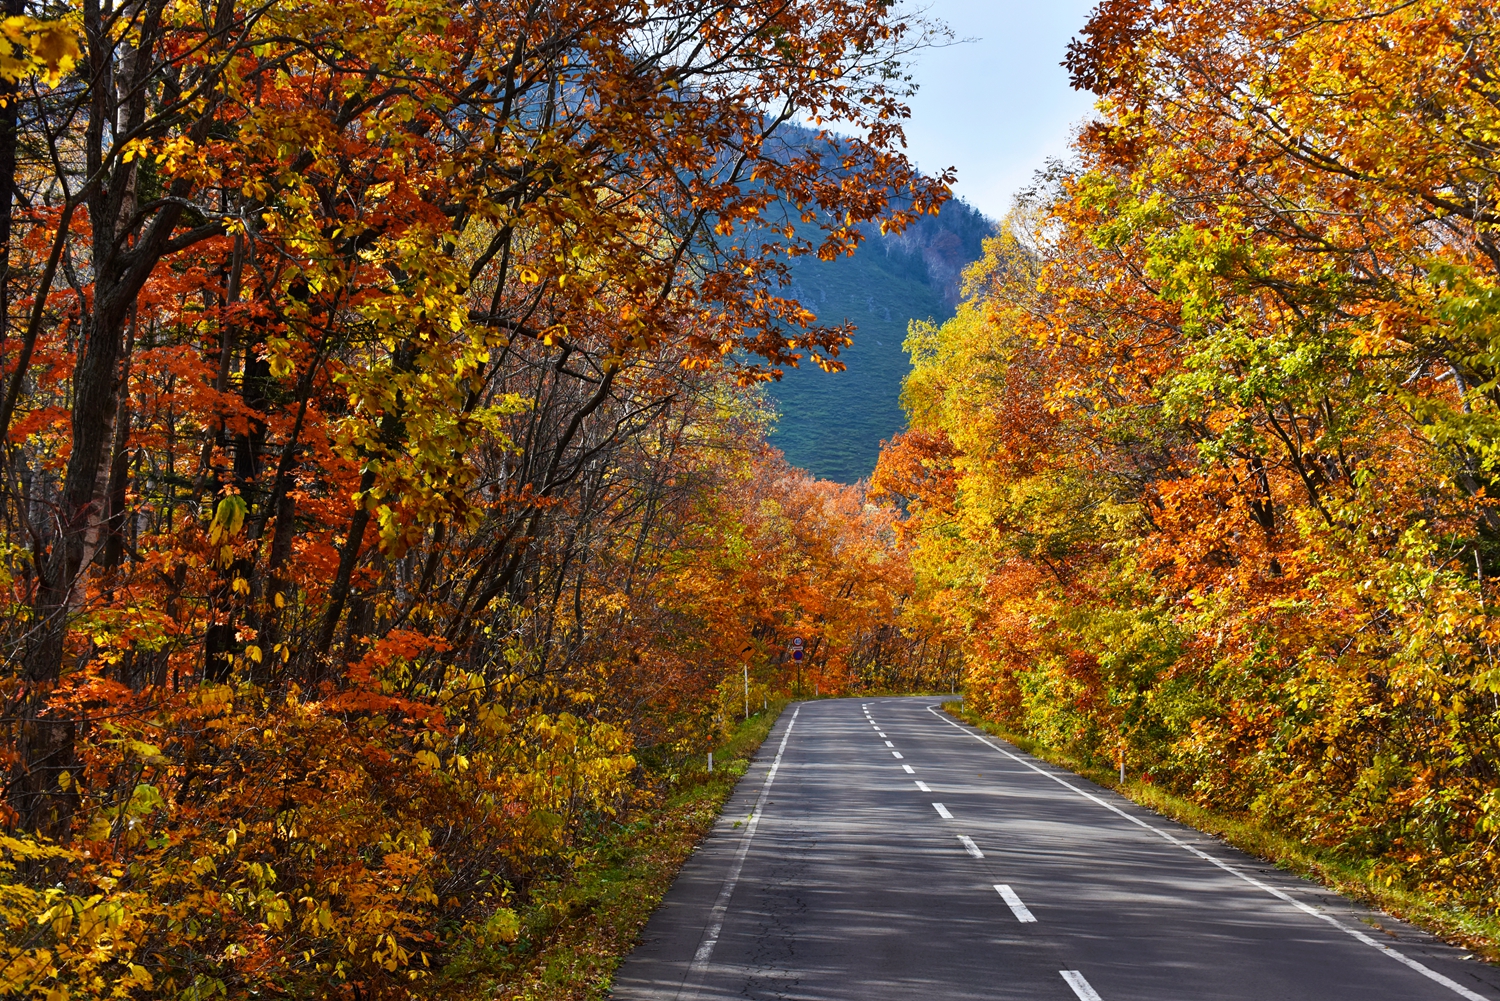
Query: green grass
(577,930)
(1352,877)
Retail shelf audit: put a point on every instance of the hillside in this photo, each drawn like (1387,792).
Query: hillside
(832,424)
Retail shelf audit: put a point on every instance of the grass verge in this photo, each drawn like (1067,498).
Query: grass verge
(577,930)
(1355,878)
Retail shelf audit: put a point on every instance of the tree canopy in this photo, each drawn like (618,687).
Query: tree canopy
(381,447)
(1204,468)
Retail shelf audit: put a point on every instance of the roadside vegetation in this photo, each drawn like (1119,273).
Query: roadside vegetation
(386,512)
(578,928)
(1352,876)
(1204,472)
(388,523)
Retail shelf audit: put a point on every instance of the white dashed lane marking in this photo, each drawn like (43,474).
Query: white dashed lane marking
(909,769)
(1080,986)
(922,786)
(942,811)
(1017,908)
(1357,935)
(970,846)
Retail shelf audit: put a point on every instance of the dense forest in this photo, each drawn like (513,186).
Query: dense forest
(1201,473)
(833,423)
(387,515)
(392,518)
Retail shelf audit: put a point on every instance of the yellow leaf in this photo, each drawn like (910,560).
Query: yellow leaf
(45,49)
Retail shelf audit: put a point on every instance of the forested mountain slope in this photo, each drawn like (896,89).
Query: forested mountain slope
(832,424)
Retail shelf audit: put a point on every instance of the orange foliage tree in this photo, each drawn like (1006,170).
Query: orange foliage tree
(1206,467)
(811,561)
(365,369)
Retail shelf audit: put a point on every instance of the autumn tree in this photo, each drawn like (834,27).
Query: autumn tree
(1205,466)
(363,367)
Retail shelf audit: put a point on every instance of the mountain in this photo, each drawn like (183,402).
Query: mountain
(832,423)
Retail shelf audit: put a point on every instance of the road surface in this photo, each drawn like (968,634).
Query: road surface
(880,850)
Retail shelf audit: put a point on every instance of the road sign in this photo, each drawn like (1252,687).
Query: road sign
(797,641)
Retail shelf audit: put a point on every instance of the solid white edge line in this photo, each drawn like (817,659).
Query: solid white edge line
(909,769)
(970,846)
(922,786)
(699,966)
(942,811)
(1080,986)
(1020,910)
(1399,957)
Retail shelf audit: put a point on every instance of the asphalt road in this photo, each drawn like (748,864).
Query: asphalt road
(898,854)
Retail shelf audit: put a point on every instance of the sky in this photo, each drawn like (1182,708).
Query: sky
(998,106)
